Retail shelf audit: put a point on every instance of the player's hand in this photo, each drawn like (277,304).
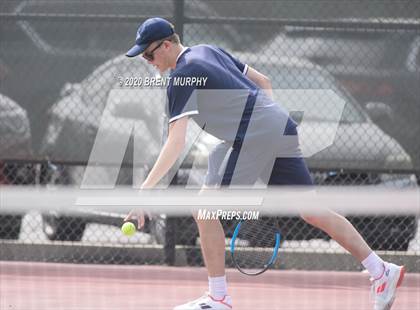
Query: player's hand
(139,216)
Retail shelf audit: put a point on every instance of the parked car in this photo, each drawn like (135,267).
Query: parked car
(360,148)
(43,54)
(74,123)
(15,144)
(75,120)
(374,66)
(381,69)
(353,147)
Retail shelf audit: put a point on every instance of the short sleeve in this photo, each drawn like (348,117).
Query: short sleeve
(182,98)
(240,65)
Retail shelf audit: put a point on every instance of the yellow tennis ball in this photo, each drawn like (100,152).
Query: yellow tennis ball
(128,229)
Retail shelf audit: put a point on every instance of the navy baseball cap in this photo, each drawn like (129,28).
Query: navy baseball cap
(151,30)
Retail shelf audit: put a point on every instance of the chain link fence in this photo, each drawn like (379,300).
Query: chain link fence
(64,80)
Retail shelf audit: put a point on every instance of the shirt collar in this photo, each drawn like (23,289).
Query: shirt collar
(182,52)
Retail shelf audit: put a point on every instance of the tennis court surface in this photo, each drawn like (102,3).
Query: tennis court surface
(45,286)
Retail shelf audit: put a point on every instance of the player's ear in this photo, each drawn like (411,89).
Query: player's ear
(167,44)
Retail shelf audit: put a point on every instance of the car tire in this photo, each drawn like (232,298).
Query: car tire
(157,228)
(386,233)
(10,226)
(63,228)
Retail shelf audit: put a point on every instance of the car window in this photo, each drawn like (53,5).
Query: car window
(417,61)
(97,87)
(99,83)
(289,77)
(339,49)
(413,60)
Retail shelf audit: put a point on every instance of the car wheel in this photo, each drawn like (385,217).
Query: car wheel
(63,228)
(10,226)
(391,233)
(157,228)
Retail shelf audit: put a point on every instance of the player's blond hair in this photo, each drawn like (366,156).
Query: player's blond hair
(174,38)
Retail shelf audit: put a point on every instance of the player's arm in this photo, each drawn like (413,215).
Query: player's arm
(261,80)
(170,152)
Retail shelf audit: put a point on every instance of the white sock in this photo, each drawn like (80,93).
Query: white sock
(374,265)
(218,287)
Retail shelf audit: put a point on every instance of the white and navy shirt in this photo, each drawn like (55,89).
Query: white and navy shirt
(211,86)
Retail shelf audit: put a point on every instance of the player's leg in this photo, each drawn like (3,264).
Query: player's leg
(226,167)
(386,276)
(342,231)
(212,240)
(293,171)
(212,237)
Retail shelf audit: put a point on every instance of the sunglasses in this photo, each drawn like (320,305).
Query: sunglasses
(150,55)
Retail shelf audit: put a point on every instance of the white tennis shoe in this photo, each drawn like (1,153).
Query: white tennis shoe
(384,289)
(207,302)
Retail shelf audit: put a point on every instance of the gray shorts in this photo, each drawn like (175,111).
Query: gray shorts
(228,165)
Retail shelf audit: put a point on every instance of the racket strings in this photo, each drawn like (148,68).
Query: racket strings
(254,244)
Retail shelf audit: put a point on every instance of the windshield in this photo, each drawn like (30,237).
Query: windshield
(311,77)
(108,76)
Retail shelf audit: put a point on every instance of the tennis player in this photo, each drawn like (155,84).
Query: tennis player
(260,142)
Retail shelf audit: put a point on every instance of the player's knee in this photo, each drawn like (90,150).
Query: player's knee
(203,222)
(312,219)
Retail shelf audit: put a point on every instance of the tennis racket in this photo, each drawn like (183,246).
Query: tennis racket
(254,245)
